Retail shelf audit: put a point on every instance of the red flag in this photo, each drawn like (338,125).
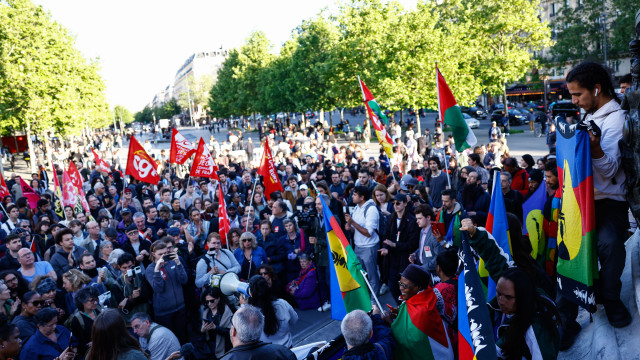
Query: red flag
(203,164)
(4,190)
(267,170)
(140,165)
(31,195)
(181,148)
(56,183)
(69,191)
(303,245)
(33,248)
(224,225)
(101,164)
(74,175)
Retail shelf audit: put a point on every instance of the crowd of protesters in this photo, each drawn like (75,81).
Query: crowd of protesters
(131,277)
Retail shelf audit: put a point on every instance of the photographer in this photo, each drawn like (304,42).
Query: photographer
(166,279)
(131,291)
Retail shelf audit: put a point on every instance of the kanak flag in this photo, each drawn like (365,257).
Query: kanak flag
(74,175)
(203,164)
(4,190)
(181,148)
(140,165)
(32,196)
(101,164)
(268,171)
(224,225)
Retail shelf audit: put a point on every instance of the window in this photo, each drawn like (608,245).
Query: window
(553,9)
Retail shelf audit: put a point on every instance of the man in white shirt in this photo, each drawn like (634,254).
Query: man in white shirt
(364,225)
(158,341)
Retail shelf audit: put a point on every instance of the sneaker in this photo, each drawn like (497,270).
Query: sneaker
(617,313)
(326,306)
(383,289)
(568,334)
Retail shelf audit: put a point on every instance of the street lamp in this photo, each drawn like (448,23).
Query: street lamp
(603,20)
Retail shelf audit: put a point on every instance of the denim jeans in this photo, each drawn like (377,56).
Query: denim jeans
(368,259)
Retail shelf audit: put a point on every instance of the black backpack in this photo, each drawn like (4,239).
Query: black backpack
(383,220)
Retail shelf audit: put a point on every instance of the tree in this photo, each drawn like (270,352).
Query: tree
(122,113)
(223,100)
(46,85)
(579,33)
(502,36)
(254,56)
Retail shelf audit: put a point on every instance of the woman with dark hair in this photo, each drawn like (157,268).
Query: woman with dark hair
(525,319)
(106,346)
(216,321)
(31,304)
(51,341)
(279,316)
(10,342)
(81,321)
(233,238)
(41,234)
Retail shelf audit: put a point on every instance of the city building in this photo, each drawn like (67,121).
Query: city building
(197,65)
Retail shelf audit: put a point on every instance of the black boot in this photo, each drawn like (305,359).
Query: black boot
(617,313)
(568,333)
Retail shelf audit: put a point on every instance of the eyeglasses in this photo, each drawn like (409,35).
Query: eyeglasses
(13,279)
(403,285)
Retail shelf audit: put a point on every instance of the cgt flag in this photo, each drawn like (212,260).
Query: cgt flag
(140,165)
(268,172)
(203,164)
(475,334)
(224,225)
(451,115)
(373,109)
(181,148)
(101,164)
(74,175)
(348,287)
(4,190)
(577,263)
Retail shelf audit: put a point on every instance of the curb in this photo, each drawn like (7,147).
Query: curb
(634,254)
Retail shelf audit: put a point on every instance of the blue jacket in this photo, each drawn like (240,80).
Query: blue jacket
(258,255)
(39,347)
(380,346)
(167,287)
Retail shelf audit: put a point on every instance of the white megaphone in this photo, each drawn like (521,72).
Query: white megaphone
(229,284)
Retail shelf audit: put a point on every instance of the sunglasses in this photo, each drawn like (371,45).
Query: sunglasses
(246,240)
(207,302)
(37,303)
(264,273)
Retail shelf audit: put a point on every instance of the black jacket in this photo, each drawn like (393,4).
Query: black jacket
(407,238)
(259,351)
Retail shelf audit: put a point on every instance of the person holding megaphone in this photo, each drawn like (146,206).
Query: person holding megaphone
(216,261)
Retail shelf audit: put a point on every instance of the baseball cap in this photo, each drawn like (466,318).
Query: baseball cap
(304,187)
(131,228)
(173,231)
(125,211)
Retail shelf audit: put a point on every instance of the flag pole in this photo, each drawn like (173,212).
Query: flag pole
(447,168)
(255,182)
(391,167)
(3,209)
(375,297)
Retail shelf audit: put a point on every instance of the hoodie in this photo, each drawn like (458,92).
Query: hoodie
(167,287)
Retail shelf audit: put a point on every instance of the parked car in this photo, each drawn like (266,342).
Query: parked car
(567,108)
(515,117)
(471,122)
(475,112)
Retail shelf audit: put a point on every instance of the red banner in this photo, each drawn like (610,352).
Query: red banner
(224,225)
(4,190)
(268,171)
(203,164)
(69,191)
(140,165)
(181,148)
(101,164)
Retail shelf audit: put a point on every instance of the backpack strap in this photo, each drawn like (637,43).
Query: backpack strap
(153,328)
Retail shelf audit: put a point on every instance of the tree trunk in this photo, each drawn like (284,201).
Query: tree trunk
(341,114)
(330,119)
(32,152)
(401,116)
(47,146)
(418,120)
(321,117)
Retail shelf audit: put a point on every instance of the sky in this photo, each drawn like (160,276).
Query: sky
(141,44)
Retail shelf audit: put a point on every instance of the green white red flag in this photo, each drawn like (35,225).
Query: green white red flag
(451,115)
(376,115)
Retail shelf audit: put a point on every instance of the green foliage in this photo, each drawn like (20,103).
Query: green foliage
(580,33)
(479,45)
(120,112)
(45,83)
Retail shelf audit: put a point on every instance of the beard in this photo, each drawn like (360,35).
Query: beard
(469,191)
